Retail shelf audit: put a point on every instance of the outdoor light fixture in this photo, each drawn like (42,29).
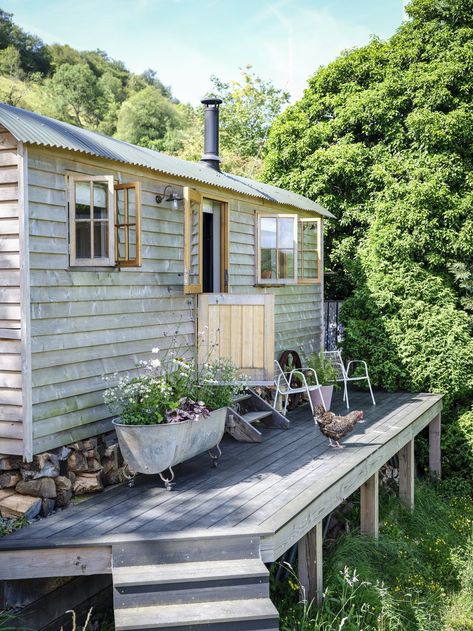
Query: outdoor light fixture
(169,195)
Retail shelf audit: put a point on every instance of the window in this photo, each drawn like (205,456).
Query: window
(277,249)
(310,242)
(127,225)
(205,244)
(104,222)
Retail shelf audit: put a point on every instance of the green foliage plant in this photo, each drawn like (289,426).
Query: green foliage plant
(326,372)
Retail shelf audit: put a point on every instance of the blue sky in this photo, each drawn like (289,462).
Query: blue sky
(186,41)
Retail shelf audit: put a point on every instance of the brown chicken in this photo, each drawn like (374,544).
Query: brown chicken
(336,427)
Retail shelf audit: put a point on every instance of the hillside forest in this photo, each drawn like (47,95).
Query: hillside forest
(89,89)
(383,138)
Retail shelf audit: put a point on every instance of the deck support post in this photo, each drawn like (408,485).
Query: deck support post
(435,466)
(369,506)
(310,566)
(407,475)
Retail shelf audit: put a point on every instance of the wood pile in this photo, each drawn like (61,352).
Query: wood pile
(50,481)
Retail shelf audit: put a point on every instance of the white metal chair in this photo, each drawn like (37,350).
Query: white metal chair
(286,384)
(343,373)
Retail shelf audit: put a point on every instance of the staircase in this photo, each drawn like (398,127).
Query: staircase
(203,584)
(248,410)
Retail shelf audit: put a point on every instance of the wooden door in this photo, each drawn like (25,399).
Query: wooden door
(239,328)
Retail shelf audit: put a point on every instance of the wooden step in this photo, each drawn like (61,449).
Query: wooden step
(251,615)
(188,572)
(252,417)
(178,583)
(239,398)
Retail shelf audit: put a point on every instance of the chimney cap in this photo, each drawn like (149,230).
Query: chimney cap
(211,101)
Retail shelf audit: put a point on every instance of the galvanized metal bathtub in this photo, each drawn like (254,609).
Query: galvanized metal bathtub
(155,448)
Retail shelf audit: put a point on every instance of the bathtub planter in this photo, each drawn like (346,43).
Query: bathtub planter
(152,449)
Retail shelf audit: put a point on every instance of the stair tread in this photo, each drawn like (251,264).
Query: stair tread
(155,617)
(187,572)
(241,397)
(251,417)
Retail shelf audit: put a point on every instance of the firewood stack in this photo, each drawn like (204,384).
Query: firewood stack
(48,482)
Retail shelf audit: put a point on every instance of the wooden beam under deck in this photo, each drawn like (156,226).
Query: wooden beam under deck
(278,490)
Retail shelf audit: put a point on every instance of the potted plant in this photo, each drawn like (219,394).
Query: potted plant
(168,414)
(327,376)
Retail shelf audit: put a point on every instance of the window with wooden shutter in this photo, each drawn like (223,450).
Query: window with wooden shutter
(309,251)
(128,224)
(277,249)
(192,241)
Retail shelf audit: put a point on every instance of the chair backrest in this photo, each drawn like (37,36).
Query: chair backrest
(279,375)
(335,358)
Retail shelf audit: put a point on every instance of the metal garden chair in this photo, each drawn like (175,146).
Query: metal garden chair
(343,373)
(294,382)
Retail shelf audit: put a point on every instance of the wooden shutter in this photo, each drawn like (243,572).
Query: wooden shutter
(240,328)
(192,241)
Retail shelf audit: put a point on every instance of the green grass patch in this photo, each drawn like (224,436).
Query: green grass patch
(418,576)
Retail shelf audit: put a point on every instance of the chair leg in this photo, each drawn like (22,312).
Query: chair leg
(322,399)
(345,398)
(371,390)
(310,402)
(286,401)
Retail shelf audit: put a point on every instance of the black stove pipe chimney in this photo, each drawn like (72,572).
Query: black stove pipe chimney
(211,157)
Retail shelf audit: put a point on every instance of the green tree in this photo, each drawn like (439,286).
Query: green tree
(147,118)
(34,54)
(383,138)
(249,108)
(10,61)
(77,95)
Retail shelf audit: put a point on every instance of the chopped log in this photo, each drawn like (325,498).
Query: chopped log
(77,461)
(93,464)
(78,446)
(9,479)
(90,443)
(113,476)
(20,505)
(44,465)
(72,476)
(47,507)
(88,483)
(8,463)
(64,491)
(44,487)
(6,493)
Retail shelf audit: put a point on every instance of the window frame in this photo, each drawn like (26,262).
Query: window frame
(310,281)
(136,262)
(108,261)
(276,281)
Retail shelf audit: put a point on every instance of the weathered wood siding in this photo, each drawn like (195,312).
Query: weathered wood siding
(11,412)
(297,308)
(89,323)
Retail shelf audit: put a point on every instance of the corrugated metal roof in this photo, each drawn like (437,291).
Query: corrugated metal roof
(33,128)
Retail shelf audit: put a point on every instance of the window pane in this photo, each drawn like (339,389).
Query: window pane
(309,235)
(121,243)
(131,205)
(286,233)
(100,239)
(120,193)
(268,263)
(286,263)
(83,240)
(82,200)
(100,200)
(268,232)
(310,265)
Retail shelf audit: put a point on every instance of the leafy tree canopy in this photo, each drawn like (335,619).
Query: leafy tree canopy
(383,138)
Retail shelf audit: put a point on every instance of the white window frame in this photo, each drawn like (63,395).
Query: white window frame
(276,281)
(92,262)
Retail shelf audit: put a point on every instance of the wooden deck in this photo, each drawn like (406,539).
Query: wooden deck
(277,490)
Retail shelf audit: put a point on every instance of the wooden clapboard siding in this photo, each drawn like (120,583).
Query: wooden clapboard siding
(90,323)
(11,410)
(298,308)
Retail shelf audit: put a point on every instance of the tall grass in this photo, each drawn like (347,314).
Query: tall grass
(418,576)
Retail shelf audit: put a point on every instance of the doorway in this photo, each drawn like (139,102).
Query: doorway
(214,244)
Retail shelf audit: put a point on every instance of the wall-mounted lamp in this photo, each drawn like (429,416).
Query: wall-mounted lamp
(169,195)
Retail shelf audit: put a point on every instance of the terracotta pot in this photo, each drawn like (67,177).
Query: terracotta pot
(327,393)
